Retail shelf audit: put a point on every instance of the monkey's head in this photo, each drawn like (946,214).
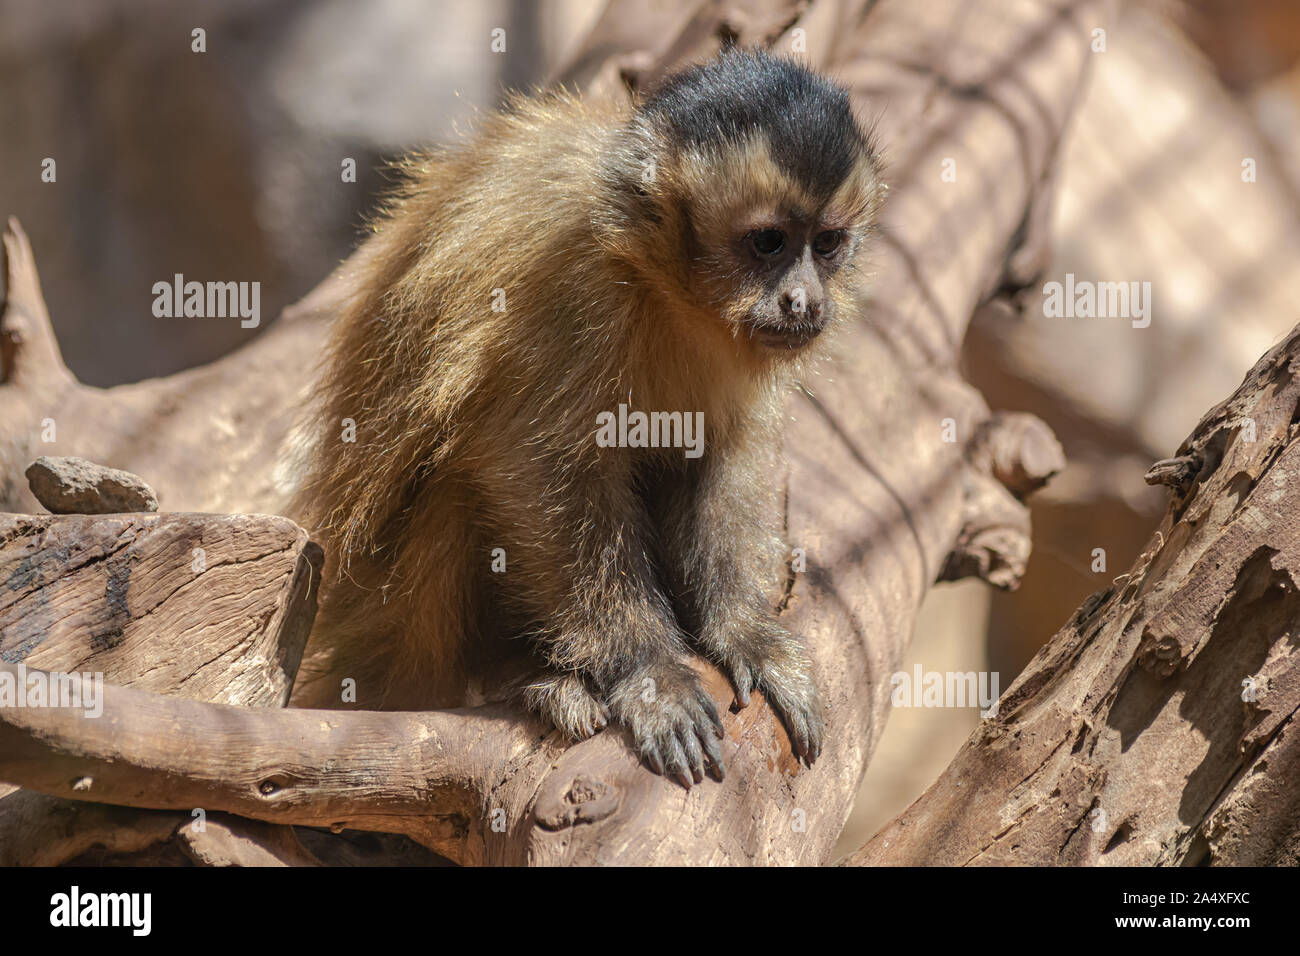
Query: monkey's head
(745,188)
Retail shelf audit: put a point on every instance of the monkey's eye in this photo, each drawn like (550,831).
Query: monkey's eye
(767,242)
(825,243)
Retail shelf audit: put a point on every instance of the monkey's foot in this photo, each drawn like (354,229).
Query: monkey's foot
(672,719)
(565,700)
(790,692)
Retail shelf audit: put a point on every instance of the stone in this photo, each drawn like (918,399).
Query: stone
(77,486)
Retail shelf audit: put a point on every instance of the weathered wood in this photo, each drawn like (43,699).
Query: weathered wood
(233,841)
(430,775)
(39,830)
(213,607)
(1158,727)
(210,439)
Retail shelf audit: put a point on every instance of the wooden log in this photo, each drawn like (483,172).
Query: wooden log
(213,607)
(39,830)
(430,776)
(233,841)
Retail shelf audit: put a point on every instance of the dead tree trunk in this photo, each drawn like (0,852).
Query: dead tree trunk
(1159,726)
(879,502)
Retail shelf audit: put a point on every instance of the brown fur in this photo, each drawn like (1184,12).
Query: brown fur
(475,430)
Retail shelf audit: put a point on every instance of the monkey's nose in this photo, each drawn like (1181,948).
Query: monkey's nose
(798,304)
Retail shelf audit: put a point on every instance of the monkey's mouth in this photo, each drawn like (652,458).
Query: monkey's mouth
(784,337)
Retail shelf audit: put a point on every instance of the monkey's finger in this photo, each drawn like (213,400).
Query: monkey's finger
(708,712)
(654,759)
(676,762)
(801,740)
(798,729)
(816,735)
(744,681)
(600,717)
(694,755)
(713,748)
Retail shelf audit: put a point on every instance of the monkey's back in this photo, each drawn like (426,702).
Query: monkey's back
(486,324)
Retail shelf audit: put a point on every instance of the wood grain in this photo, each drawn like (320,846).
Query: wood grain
(213,607)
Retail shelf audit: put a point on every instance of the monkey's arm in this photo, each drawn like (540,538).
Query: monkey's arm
(724,560)
(587,554)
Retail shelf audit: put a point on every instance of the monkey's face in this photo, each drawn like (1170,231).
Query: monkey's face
(760,190)
(772,259)
(775,278)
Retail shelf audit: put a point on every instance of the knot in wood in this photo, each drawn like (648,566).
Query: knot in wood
(585,799)
(1019,450)
(1176,473)
(1162,655)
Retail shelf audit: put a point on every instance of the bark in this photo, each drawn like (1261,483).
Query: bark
(213,607)
(877,498)
(1158,727)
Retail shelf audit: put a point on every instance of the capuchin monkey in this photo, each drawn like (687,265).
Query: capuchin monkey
(552,409)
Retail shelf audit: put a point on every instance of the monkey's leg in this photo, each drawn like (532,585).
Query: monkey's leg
(723,559)
(586,568)
(564,698)
(394,629)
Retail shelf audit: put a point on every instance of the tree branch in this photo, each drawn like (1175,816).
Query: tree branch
(1158,727)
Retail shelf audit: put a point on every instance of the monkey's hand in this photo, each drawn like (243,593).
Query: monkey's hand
(672,719)
(781,673)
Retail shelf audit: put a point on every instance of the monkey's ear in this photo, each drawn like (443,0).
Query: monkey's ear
(630,223)
(635,182)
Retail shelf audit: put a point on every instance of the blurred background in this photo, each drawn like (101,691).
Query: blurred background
(226,165)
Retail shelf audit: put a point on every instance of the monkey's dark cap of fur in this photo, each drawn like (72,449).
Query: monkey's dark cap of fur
(806,119)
